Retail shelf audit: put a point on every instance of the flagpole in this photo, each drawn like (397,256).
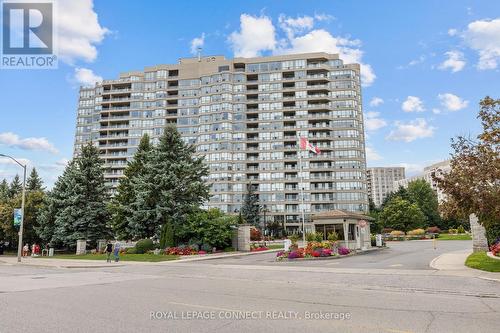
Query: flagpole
(302,194)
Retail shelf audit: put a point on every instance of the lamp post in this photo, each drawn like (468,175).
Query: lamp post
(20,243)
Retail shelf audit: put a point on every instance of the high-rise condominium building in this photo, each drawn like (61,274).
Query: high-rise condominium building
(380,181)
(245,116)
(439,168)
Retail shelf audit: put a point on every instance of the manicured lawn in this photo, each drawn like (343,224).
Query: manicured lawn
(275,246)
(454,237)
(123,257)
(479,260)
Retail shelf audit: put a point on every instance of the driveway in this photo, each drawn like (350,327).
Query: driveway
(397,255)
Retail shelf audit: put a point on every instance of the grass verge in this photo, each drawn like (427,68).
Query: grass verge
(123,257)
(479,260)
(454,237)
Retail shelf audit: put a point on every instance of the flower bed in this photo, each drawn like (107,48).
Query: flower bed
(495,249)
(313,250)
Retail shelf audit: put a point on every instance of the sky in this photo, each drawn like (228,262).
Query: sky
(425,65)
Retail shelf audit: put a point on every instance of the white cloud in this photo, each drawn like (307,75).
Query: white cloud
(452,102)
(413,104)
(455,61)
(291,26)
(196,43)
(57,166)
(322,41)
(256,34)
(376,101)
(436,111)
(13,140)
(324,17)
(373,122)
(79,31)
(8,161)
(86,77)
(372,155)
(417,61)
(452,32)
(484,37)
(411,131)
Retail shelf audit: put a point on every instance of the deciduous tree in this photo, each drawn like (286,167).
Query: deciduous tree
(473,184)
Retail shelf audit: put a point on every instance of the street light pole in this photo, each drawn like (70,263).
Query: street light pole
(20,242)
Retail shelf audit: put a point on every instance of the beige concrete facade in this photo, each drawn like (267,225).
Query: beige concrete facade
(245,116)
(380,182)
(436,168)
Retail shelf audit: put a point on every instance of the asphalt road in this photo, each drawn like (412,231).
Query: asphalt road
(398,255)
(253,294)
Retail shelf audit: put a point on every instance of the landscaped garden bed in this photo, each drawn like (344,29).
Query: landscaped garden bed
(430,233)
(146,257)
(314,250)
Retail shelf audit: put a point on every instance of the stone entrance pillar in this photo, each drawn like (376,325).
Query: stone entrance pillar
(479,241)
(243,237)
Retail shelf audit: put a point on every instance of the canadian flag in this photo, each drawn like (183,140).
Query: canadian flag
(305,144)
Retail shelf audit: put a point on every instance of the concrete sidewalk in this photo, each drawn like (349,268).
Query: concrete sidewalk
(453,263)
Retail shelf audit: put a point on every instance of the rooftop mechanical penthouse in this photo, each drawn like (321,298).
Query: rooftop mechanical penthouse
(245,115)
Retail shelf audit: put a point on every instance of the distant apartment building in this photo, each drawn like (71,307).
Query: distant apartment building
(380,182)
(245,116)
(429,171)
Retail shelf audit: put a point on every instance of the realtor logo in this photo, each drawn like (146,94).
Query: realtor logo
(27,35)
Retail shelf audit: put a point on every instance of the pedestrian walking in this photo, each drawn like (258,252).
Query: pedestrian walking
(26,250)
(117,251)
(109,250)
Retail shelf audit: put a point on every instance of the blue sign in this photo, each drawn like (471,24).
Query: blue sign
(18,215)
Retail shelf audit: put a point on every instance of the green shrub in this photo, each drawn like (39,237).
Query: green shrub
(416,232)
(131,250)
(492,233)
(452,231)
(294,238)
(318,236)
(311,236)
(144,245)
(460,229)
(333,236)
(167,236)
(206,247)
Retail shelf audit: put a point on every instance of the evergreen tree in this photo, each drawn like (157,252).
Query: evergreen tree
(251,207)
(424,196)
(82,213)
(170,187)
(4,191)
(34,182)
(16,187)
(121,203)
(53,206)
